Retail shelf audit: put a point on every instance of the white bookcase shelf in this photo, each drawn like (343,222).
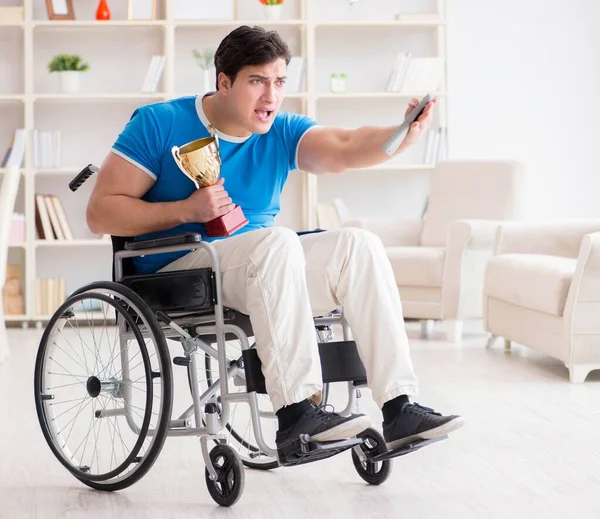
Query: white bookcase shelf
(236,23)
(86,24)
(119,52)
(72,243)
(135,96)
(382,23)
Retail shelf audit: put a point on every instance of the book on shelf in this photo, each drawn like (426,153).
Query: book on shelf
(15,152)
(418,17)
(46,148)
(295,69)
(50,293)
(17,229)
(414,75)
(435,146)
(153,74)
(50,219)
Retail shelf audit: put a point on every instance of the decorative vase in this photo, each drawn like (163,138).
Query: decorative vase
(273,12)
(69,81)
(103,12)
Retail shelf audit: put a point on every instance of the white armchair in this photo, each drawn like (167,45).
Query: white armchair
(439,262)
(542,290)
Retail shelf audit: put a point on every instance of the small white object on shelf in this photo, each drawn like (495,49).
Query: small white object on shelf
(153,74)
(273,12)
(337,83)
(203,10)
(142,10)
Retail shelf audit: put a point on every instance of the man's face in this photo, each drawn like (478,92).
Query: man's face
(256,95)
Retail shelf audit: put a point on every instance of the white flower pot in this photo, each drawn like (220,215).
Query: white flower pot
(69,81)
(273,12)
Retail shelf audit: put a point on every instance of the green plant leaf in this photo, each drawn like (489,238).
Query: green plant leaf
(63,62)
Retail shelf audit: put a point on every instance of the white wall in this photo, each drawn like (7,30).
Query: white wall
(523,83)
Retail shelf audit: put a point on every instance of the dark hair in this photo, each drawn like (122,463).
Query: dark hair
(248,46)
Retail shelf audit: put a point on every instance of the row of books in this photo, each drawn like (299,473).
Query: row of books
(50,293)
(153,74)
(46,149)
(50,218)
(15,153)
(415,74)
(435,146)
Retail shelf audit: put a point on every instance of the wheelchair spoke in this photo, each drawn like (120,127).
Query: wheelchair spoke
(70,408)
(78,332)
(78,363)
(69,373)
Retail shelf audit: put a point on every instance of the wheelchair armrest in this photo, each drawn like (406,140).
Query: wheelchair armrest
(165,241)
(302,233)
(179,242)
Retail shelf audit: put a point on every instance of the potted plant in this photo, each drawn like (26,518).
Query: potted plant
(205,62)
(69,68)
(272,8)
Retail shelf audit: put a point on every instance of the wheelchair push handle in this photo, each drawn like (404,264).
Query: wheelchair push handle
(82,176)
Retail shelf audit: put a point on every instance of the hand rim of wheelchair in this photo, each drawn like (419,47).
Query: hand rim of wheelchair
(111,480)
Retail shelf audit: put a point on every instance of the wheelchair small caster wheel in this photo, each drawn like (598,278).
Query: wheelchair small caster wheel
(373,445)
(229,485)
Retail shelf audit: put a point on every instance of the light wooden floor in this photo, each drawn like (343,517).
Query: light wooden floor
(531,448)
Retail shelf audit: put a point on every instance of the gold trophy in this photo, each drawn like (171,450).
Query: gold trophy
(201,163)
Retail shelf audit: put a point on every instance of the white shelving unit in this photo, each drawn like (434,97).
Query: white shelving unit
(119,52)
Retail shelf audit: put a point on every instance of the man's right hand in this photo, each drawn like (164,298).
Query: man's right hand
(207,203)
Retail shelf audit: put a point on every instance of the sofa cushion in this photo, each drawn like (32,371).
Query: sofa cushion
(535,281)
(417,266)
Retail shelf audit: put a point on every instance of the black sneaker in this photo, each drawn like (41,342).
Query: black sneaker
(416,422)
(323,426)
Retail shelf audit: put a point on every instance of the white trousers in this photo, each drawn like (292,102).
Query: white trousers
(281,280)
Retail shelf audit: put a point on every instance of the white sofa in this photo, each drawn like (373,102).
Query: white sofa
(439,261)
(542,290)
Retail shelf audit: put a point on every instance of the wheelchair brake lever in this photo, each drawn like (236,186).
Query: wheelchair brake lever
(172,324)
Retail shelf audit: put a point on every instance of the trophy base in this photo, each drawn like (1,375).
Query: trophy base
(227,224)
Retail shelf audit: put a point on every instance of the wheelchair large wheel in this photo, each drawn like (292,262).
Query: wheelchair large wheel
(103,386)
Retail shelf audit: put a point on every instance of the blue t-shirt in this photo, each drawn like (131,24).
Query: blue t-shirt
(255,168)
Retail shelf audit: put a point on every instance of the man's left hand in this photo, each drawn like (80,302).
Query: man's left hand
(420,126)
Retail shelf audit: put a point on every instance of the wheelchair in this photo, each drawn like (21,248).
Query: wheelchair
(104,378)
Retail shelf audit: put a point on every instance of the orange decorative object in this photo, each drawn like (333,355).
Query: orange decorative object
(271,2)
(103,12)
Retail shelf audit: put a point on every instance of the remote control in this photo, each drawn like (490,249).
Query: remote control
(394,141)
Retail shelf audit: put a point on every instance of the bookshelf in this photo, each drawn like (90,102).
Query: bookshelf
(119,53)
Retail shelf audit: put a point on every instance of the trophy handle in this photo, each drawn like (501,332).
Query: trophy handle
(177,158)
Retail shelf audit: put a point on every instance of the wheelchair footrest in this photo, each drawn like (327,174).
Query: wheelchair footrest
(406,449)
(304,450)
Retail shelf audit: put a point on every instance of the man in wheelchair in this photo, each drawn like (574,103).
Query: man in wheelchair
(281,280)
